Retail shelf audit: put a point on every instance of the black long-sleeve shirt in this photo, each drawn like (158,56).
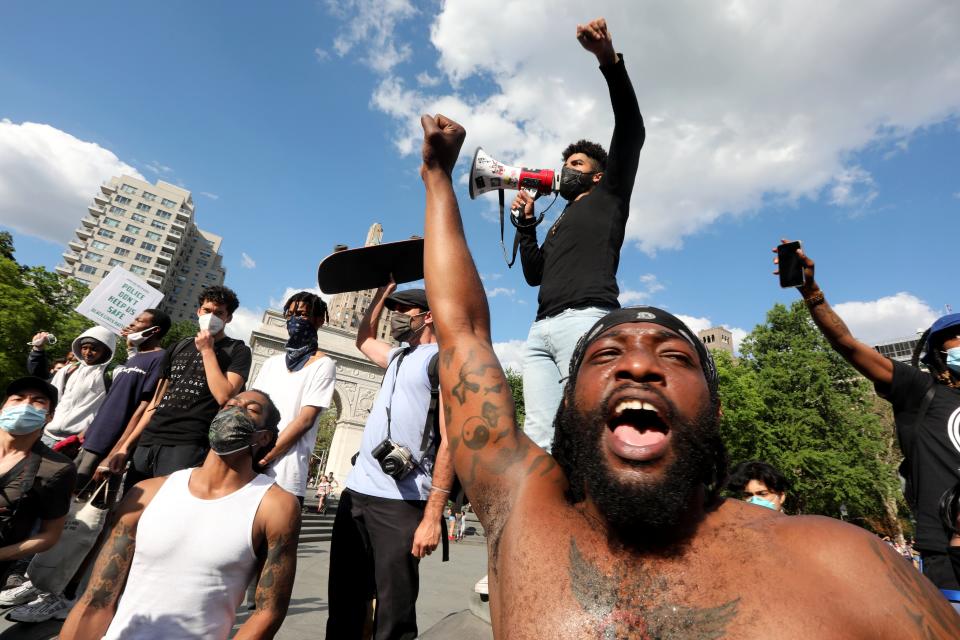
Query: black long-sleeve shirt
(577,265)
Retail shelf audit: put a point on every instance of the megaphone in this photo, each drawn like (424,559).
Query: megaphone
(487,174)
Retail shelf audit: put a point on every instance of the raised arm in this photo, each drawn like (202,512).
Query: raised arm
(493,459)
(864,358)
(376,350)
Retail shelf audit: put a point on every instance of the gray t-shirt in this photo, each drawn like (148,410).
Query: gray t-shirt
(408,402)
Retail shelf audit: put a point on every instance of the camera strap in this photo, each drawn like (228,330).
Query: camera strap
(519,225)
(396,374)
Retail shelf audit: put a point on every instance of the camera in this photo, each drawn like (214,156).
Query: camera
(395,460)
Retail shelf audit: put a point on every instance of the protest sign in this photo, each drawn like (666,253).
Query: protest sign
(118,299)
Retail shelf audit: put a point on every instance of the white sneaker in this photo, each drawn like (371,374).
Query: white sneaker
(18,595)
(482,587)
(46,606)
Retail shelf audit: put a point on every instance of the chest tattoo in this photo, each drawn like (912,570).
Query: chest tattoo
(630,603)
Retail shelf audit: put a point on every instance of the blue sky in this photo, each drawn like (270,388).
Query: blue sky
(294,125)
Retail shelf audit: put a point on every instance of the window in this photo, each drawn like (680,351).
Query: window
(93,257)
(153,235)
(106,233)
(83,280)
(148,246)
(138,217)
(128,240)
(166,215)
(205,254)
(201,263)
(143,207)
(121,252)
(168,203)
(117,211)
(137,270)
(149,197)
(142,257)
(85,268)
(128,189)
(114,262)
(156,224)
(110,222)
(96,244)
(122,200)
(132,228)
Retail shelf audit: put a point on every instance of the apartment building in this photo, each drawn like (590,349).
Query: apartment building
(149,230)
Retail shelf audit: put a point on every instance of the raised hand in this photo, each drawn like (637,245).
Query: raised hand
(442,139)
(809,284)
(595,38)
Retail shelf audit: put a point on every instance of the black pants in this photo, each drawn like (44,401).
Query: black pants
(370,556)
(161,460)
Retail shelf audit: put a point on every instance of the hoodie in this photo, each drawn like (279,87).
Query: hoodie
(82,393)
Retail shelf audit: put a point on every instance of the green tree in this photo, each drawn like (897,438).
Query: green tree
(33,299)
(792,401)
(515,380)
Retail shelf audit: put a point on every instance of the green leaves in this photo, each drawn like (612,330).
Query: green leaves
(792,401)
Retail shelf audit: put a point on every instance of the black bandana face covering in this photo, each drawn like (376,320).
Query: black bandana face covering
(231,431)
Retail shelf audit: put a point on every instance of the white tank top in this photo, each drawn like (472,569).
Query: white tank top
(193,561)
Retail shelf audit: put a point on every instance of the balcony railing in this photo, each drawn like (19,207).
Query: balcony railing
(88,222)
(64,270)
(76,245)
(108,189)
(95,210)
(101,199)
(71,256)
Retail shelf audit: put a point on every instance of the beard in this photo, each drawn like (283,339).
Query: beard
(658,515)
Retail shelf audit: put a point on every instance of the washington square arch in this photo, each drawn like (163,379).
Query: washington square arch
(358,379)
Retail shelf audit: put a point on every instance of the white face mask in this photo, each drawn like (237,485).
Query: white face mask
(138,338)
(211,323)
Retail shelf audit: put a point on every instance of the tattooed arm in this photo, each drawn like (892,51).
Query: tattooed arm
(278,524)
(94,612)
(491,456)
(864,358)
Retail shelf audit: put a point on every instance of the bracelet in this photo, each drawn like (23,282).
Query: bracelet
(814,300)
(440,489)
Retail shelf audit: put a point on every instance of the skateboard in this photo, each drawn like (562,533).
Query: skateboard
(370,267)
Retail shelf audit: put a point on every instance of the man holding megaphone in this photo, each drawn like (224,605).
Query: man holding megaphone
(576,266)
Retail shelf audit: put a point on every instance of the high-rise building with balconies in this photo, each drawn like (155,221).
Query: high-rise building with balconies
(149,230)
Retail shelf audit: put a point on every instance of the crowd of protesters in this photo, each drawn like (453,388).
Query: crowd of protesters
(624,466)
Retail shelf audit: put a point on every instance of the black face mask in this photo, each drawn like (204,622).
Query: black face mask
(574,183)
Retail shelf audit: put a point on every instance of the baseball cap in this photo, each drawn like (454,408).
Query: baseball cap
(36,384)
(408,298)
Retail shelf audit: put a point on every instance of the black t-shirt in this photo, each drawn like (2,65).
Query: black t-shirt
(47,498)
(931,449)
(184,413)
(577,265)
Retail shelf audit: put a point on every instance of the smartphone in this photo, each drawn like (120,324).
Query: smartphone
(791,269)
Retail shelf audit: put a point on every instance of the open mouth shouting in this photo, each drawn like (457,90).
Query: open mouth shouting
(637,430)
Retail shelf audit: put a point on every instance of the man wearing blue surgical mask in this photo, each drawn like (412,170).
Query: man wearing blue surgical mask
(926,411)
(199,375)
(35,481)
(759,483)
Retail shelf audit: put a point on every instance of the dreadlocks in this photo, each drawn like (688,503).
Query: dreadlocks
(317,308)
(934,359)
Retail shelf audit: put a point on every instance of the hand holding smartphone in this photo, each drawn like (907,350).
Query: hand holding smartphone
(791,267)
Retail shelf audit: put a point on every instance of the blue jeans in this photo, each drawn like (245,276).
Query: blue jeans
(546,360)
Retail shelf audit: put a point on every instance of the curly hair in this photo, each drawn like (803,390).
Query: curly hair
(219,294)
(317,308)
(760,471)
(590,149)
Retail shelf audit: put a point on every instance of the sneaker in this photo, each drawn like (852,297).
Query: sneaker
(46,606)
(482,587)
(18,595)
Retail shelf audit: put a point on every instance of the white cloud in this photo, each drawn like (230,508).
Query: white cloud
(424,79)
(277,303)
(321,55)
(49,177)
(207,194)
(245,320)
(490,277)
(247,262)
(371,23)
(158,168)
(853,187)
(510,354)
(897,316)
(745,102)
(501,291)
(649,286)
